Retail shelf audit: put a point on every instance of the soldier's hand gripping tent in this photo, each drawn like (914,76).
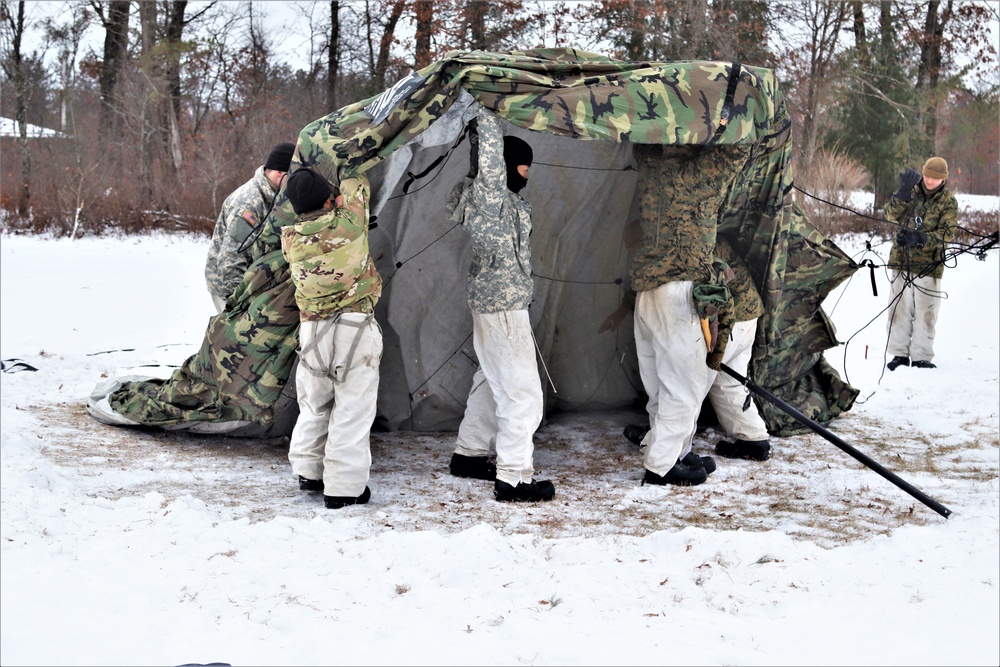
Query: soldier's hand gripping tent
(581,113)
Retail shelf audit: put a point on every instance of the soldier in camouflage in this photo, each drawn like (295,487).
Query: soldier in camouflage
(927,212)
(681,289)
(340,343)
(737,327)
(242,213)
(505,403)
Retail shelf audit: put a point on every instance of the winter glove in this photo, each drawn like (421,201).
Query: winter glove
(907,180)
(709,300)
(473,128)
(911,237)
(714,361)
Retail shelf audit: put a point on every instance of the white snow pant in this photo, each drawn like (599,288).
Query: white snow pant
(505,402)
(728,396)
(671,350)
(337,386)
(913,316)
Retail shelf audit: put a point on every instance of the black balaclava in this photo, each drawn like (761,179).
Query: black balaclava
(515,153)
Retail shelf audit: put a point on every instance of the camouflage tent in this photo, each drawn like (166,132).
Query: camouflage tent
(581,113)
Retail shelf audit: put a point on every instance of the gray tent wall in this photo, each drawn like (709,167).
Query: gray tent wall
(581,193)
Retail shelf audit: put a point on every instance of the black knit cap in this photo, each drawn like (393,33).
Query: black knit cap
(307,190)
(280,157)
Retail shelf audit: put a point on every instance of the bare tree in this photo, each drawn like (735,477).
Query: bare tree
(944,30)
(66,38)
(809,60)
(477,23)
(424,10)
(114,19)
(14,69)
(333,56)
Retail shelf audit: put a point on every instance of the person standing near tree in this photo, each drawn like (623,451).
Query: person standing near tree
(243,211)
(340,343)
(927,213)
(505,402)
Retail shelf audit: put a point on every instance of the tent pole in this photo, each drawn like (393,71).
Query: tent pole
(892,477)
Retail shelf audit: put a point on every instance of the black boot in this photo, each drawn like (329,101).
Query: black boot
(476,467)
(753,450)
(680,475)
(897,362)
(524,493)
(311,485)
(923,364)
(692,460)
(336,502)
(634,433)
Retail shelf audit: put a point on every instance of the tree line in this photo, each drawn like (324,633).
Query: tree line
(184,99)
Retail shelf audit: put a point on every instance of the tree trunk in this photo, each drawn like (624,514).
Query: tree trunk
(115,46)
(21,113)
(333,57)
(174,25)
(929,71)
(385,44)
(425,29)
(860,35)
(883,179)
(477,24)
(149,124)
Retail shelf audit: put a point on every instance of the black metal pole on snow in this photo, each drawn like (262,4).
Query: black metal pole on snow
(892,477)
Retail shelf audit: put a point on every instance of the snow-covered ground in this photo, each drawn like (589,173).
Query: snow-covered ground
(128,547)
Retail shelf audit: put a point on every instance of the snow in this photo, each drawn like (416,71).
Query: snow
(129,547)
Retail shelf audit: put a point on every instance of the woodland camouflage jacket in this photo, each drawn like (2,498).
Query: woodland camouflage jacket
(934,213)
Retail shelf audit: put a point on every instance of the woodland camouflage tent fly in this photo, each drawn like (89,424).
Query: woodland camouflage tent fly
(581,113)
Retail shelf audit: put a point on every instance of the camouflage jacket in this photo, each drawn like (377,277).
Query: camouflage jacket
(680,190)
(499,222)
(327,253)
(244,209)
(935,213)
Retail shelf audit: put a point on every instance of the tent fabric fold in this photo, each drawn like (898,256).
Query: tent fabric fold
(581,113)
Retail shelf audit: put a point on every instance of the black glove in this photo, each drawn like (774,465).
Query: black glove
(473,128)
(911,237)
(907,180)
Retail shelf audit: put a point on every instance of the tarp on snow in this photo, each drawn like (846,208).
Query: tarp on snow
(581,113)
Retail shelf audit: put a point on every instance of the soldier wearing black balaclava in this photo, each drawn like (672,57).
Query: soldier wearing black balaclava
(505,402)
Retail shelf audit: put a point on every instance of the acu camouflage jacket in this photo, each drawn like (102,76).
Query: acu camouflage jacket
(935,213)
(242,211)
(499,222)
(327,253)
